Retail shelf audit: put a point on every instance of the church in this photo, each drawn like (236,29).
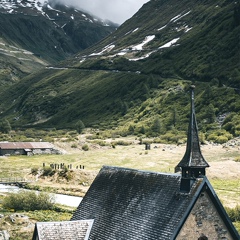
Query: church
(133,204)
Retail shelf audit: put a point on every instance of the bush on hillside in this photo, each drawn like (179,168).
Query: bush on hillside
(34,171)
(220,136)
(65,173)
(122,143)
(85,147)
(48,171)
(28,201)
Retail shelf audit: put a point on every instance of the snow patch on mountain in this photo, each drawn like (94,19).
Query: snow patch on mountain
(178,17)
(161,28)
(170,43)
(142,57)
(108,48)
(145,41)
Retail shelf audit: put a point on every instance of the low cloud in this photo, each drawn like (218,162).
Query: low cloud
(115,10)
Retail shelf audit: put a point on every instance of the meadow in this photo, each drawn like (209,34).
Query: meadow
(223,172)
(122,152)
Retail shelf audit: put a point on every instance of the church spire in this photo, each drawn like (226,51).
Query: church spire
(193,163)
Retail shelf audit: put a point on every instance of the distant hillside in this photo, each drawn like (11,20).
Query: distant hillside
(34,35)
(137,78)
(195,40)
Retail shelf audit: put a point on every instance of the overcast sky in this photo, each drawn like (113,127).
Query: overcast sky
(117,11)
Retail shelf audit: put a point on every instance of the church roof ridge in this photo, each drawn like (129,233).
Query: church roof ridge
(105,167)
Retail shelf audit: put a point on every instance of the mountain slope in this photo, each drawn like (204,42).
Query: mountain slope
(43,34)
(192,39)
(138,76)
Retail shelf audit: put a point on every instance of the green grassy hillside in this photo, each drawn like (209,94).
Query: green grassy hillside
(136,80)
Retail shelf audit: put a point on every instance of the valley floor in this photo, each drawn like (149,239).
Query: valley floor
(224,171)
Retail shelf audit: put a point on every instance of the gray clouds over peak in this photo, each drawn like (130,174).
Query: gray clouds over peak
(115,10)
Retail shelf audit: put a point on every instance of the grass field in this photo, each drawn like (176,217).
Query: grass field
(224,171)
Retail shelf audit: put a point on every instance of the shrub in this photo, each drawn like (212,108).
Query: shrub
(85,147)
(220,136)
(202,138)
(157,140)
(221,139)
(48,171)
(100,143)
(237,159)
(170,138)
(74,145)
(73,133)
(28,201)
(34,171)
(65,173)
(121,142)
(234,213)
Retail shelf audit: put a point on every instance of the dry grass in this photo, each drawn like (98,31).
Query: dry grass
(161,158)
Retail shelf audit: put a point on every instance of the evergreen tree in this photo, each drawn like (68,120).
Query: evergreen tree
(175,117)
(142,130)
(79,126)
(156,127)
(131,129)
(124,108)
(5,126)
(210,113)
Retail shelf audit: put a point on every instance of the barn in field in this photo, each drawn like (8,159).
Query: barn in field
(26,148)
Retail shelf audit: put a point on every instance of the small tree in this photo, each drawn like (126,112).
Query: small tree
(5,126)
(79,126)
(142,130)
(156,127)
(131,129)
(210,113)
(124,108)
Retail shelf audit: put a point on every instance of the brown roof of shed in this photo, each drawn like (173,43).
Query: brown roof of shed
(25,145)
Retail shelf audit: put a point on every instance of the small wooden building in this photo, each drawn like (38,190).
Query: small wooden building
(25,148)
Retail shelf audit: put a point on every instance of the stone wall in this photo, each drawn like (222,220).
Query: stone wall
(204,222)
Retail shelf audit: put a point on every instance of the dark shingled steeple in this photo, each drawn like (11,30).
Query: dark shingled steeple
(193,163)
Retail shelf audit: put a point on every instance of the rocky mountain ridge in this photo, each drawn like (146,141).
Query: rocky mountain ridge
(33,35)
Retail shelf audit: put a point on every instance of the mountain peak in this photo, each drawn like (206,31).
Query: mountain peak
(49,9)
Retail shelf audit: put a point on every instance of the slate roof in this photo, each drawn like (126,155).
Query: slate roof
(25,145)
(71,230)
(138,205)
(132,204)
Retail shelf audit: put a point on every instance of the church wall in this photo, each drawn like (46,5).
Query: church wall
(204,222)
